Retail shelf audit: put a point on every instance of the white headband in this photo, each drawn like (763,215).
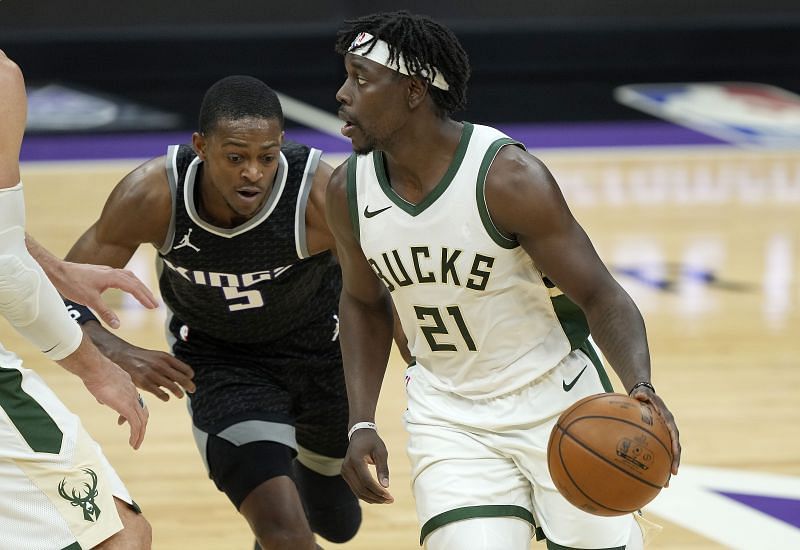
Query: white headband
(380,54)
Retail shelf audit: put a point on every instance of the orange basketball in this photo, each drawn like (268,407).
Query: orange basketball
(609,454)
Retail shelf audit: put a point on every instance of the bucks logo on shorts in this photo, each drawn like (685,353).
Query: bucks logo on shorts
(83,496)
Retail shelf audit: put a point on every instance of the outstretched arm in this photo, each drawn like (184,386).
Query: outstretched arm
(85,283)
(105,380)
(366,324)
(27,297)
(137,212)
(110,385)
(524,200)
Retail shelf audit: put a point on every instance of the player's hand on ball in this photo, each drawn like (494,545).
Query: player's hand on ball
(366,447)
(646,395)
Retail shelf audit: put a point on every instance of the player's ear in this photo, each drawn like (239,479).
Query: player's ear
(199,145)
(417,90)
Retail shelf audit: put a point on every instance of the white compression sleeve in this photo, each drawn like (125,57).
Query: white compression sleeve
(28,299)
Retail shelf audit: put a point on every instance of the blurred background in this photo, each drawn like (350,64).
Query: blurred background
(673,129)
(532,61)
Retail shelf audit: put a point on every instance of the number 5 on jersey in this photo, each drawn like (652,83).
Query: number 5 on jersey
(248,299)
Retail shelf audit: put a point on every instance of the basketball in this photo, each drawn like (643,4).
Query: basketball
(609,454)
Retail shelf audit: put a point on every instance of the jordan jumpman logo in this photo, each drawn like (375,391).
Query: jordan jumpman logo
(185,242)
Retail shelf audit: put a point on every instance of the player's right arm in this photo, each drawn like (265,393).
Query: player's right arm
(27,298)
(85,283)
(524,200)
(137,212)
(320,237)
(366,325)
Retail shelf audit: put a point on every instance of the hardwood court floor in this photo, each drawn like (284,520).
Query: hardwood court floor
(707,241)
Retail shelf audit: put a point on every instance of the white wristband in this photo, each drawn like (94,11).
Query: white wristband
(361,426)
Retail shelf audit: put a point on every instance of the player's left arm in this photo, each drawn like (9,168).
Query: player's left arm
(524,200)
(319,238)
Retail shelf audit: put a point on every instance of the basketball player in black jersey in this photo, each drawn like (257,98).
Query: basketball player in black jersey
(247,272)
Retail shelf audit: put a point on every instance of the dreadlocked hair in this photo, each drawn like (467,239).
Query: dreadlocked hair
(426,46)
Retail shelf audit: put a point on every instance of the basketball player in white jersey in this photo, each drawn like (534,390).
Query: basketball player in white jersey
(57,490)
(496,286)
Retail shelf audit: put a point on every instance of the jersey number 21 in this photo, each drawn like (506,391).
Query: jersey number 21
(439,328)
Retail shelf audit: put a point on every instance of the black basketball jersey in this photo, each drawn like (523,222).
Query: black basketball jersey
(255,282)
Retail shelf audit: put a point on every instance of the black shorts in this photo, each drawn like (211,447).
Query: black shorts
(290,392)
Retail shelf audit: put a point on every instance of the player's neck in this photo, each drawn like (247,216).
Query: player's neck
(417,160)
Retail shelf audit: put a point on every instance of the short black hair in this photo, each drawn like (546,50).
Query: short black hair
(424,44)
(236,97)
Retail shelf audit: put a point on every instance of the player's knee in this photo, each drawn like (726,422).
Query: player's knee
(482,534)
(136,532)
(284,538)
(238,470)
(141,533)
(338,523)
(333,510)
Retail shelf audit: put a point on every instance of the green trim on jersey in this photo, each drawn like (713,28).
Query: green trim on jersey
(352,196)
(572,320)
(501,239)
(471,512)
(591,353)
(554,546)
(444,183)
(73,546)
(576,328)
(33,423)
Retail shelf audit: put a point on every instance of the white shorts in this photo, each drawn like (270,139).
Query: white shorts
(56,488)
(488,458)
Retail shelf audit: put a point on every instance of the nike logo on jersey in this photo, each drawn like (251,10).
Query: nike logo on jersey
(368,214)
(569,386)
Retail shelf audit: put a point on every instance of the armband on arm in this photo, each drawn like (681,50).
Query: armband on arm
(79,312)
(28,299)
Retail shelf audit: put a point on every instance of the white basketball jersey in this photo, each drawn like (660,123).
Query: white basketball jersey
(478,315)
